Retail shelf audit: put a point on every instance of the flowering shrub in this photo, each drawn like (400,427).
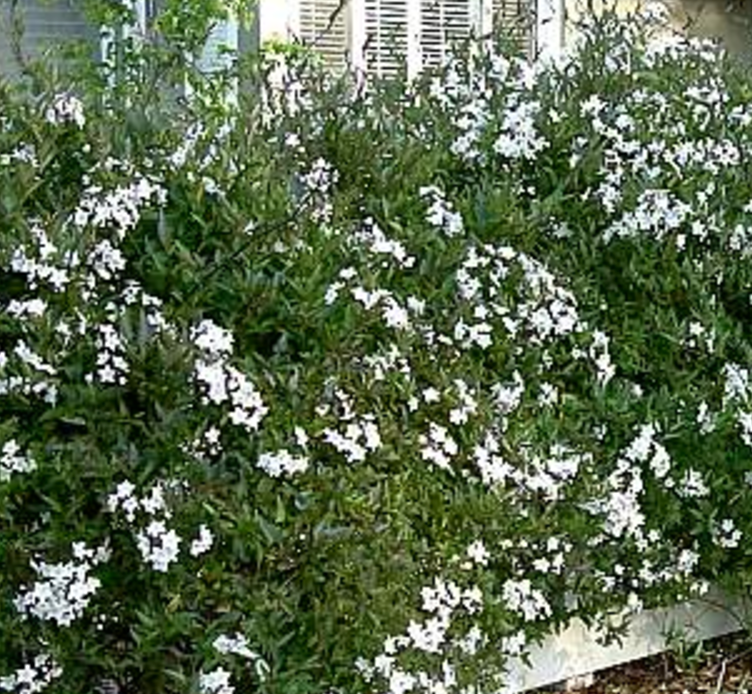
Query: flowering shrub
(338,389)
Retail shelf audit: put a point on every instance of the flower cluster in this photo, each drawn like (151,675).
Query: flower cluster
(12,460)
(66,108)
(543,312)
(355,439)
(444,601)
(282,462)
(216,682)
(158,544)
(118,209)
(441,213)
(32,678)
(223,384)
(63,591)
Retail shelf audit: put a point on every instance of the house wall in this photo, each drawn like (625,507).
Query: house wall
(44,25)
(729,21)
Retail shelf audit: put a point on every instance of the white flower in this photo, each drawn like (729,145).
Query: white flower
(441,598)
(395,315)
(106,260)
(249,408)
(472,599)
(358,438)
(282,463)
(212,339)
(33,677)
(431,395)
(62,591)
(467,405)
(118,209)
(640,447)
(472,641)
(692,485)
(548,396)
(154,501)
(438,446)
(215,682)
(12,460)
(428,636)
(124,497)
(234,645)
(66,108)
(223,383)
(660,463)
(375,241)
(687,561)
(705,419)
(736,386)
(301,437)
(621,510)
(441,213)
(478,553)
(508,396)
(158,545)
(321,177)
(727,535)
(493,468)
(515,644)
(203,542)
(401,682)
(519,137)
(523,598)
(32,359)
(213,377)
(32,308)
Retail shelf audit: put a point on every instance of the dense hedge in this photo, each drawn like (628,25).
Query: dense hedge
(340,388)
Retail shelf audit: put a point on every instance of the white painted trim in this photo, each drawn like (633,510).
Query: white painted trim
(486,17)
(356,35)
(413,38)
(106,41)
(139,9)
(575,651)
(549,30)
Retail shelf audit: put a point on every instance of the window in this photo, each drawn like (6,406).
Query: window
(45,25)
(383,36)
(378,36)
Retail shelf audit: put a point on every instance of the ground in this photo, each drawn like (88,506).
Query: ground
(720,666)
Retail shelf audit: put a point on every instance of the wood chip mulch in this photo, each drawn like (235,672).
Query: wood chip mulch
(719,666)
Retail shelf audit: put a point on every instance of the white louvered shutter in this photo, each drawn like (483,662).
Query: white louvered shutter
(414,34)
(323,25)
(517,19)
(388,36)
(444,23)
(46,25)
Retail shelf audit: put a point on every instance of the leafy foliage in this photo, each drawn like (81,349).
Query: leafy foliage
(339,387)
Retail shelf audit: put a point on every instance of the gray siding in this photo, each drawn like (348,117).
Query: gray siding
(46,24)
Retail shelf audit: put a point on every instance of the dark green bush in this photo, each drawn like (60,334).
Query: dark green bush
(339,389)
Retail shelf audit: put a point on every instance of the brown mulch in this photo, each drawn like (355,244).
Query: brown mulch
(719,666)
